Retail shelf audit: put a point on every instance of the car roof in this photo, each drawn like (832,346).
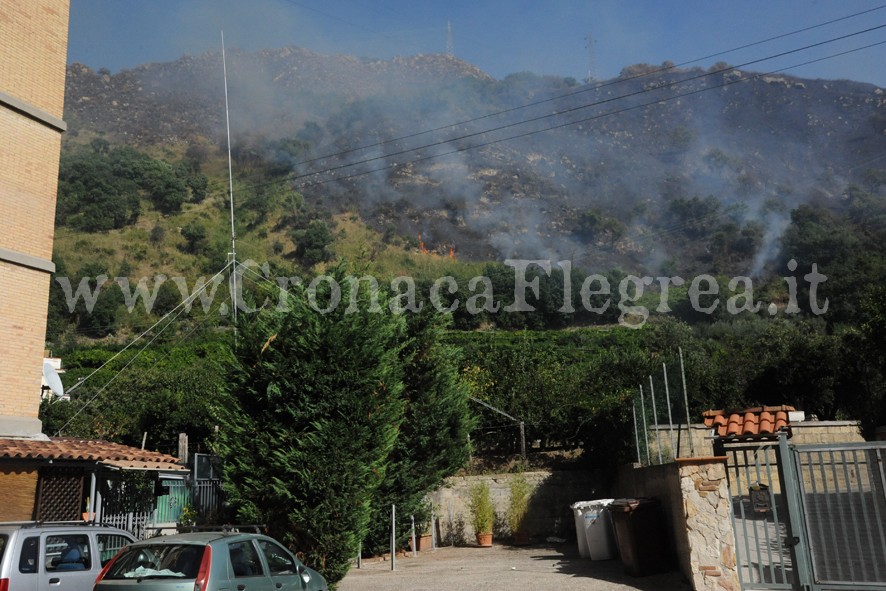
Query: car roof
(63,526)
(202,537)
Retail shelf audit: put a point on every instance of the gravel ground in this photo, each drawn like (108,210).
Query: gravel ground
(503,568)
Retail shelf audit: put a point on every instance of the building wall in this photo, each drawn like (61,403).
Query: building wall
(19,486)
(33,52)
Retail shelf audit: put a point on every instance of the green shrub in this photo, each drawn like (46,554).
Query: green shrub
(481,508)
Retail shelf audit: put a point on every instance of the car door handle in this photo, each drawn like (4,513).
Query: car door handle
(54,581)
(241,587)
(279,585)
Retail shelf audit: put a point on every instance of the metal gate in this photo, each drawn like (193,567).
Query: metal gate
(843,500)
(759,518)
(809,517)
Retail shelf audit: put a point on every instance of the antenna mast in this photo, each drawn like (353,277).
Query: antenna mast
(450,45)
(233,252)
(592,58)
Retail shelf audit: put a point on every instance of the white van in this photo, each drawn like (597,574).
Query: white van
(65,556)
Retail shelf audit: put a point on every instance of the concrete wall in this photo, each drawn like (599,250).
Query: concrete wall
(33,53)
(549,513)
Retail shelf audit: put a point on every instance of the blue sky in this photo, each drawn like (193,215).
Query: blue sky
(501,37)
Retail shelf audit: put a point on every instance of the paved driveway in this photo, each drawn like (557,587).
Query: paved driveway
(503,568)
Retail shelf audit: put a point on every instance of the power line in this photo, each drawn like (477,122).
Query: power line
(589,88)
(585,120)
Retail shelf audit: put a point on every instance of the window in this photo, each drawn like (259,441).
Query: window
(109,545)
(279,560)
(244,559)
(173,561)
(67,552)
(27,562)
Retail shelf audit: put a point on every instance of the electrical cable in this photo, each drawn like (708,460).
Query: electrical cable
(590,88)
(594,104)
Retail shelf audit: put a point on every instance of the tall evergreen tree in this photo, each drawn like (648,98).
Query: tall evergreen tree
(433,439)
(314,410)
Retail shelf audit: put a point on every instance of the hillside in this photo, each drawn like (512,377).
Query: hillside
(660,169)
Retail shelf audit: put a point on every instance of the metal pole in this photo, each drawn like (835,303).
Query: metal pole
(433,530)
(393,537)
(655,419)
(451,533)
(523,439)
(686,404)
(664,370)
(412,519)
(637,433)
(360,555)
(645,434)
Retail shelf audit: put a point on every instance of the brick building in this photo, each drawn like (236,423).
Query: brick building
(41,477)
(33,52)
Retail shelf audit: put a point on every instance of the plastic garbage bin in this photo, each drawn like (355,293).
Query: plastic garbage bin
(598,530)
(582,538)
(640,536)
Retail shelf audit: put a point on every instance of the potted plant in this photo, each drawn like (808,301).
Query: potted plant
(482,513)
(518,506)
(423,526)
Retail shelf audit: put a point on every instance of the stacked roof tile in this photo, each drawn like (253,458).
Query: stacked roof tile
(761,421)
(104,452)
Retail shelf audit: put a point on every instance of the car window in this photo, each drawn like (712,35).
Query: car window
(4,539)
(109,545)
(27,562)
(279,560)
(66,552)
(244,559)
(178,561)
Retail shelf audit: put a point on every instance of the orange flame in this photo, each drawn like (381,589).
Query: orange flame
(421,245)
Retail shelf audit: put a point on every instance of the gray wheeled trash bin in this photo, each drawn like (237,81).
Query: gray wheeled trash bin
(640,535)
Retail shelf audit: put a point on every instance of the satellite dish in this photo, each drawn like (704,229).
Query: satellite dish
(52,380)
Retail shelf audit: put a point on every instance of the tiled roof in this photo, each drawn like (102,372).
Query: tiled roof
(104,452)
(749,423)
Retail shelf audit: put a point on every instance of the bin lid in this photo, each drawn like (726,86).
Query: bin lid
(589,504)
(632,504)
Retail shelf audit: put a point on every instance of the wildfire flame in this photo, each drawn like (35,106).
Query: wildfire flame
(421,245)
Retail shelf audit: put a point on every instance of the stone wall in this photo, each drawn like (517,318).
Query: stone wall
(549,513)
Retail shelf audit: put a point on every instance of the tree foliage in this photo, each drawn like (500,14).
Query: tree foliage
(313,414)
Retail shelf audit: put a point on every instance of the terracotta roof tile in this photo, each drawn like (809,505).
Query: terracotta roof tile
(67,448)
(761,421)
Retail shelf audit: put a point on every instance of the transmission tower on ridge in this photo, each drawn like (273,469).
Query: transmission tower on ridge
(592,58)
(450,45)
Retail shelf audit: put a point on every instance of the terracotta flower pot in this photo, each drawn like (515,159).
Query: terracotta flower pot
(423,542)
(484,540)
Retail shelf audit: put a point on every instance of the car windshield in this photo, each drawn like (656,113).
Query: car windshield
(180,561)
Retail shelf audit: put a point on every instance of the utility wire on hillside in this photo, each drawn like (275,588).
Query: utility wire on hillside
(588,88)
(574,109)
(575,122)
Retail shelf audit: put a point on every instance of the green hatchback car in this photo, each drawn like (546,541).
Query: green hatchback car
(208,561)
